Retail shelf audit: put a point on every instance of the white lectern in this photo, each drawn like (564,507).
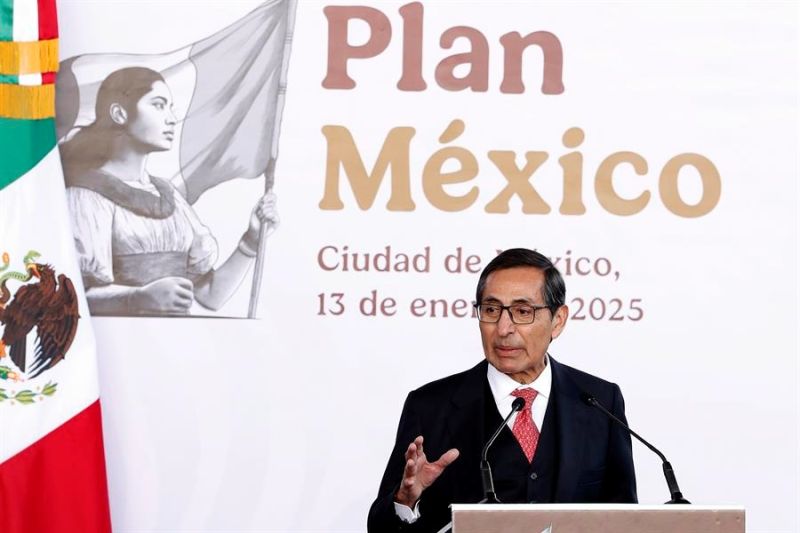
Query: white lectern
(599,518)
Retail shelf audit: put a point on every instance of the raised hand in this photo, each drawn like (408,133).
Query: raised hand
(419,474)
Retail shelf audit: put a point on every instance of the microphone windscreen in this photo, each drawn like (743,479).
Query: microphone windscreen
(518,404)
(588,399)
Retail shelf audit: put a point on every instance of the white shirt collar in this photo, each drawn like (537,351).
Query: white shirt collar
(502,385)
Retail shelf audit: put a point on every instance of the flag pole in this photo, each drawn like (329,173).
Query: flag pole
(269,173)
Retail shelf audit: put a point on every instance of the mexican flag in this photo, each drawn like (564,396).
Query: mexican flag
(52,468)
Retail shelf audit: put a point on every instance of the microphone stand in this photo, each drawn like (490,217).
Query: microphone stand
(486,470)
(669,474)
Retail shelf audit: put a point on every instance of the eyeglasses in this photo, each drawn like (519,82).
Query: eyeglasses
(519,313)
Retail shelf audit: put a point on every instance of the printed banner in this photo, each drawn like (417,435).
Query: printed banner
(650,150)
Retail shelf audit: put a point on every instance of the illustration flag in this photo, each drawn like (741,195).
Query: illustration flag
(52,466)
(226,92)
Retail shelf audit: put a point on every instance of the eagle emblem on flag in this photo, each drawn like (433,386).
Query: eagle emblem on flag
(45,305)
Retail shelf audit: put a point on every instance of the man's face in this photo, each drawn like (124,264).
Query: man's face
(519,349)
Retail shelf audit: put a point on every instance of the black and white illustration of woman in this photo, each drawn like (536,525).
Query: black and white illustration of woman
(141,247)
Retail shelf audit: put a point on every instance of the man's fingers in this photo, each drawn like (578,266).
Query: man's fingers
(409,469)
(447,457)
(411,451)
(408,492)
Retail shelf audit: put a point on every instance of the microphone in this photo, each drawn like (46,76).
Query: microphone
(486,470)
(669,474)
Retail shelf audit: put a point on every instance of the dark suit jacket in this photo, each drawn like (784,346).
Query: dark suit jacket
(596,464)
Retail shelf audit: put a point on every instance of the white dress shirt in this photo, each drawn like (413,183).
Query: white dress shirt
(502,386)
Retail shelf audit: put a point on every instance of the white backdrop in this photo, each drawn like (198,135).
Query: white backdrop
(284,423)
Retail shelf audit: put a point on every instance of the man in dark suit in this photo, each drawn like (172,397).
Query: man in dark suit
(557,449)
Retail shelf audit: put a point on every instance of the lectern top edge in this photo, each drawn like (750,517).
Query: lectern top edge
(591,506)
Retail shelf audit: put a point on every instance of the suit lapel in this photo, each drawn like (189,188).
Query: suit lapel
(465,427)
(572,423)
(467,400)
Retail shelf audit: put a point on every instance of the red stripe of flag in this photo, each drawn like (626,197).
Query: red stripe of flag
(48,20)
(58,484)
(48,77)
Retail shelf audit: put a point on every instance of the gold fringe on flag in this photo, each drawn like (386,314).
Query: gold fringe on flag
(27,101)
(28,57)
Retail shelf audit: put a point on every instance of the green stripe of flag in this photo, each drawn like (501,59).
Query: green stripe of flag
(9,78)
(24,143)
(6,20)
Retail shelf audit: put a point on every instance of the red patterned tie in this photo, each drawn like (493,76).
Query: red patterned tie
(525,430)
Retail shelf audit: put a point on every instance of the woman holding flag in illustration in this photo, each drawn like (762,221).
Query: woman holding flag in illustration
(142,249)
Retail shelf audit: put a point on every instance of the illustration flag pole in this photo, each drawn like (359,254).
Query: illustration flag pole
(269,173)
